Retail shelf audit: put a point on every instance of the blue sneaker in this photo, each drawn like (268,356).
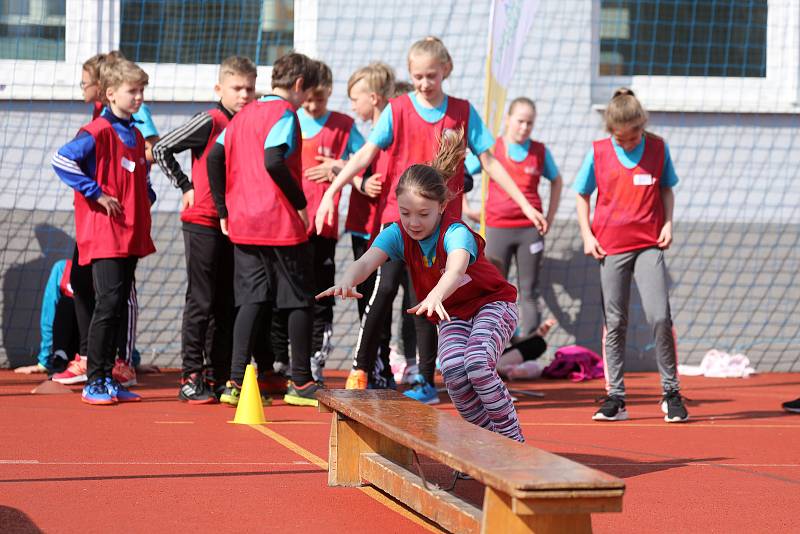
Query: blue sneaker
(422,391)
(119,392)
(96,392)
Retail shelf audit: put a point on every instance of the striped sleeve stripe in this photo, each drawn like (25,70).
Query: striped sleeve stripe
(66,164)
(173,138)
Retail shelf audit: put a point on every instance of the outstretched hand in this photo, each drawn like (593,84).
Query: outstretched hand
(432,304)
(345,292)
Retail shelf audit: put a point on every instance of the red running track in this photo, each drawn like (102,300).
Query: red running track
(161,465)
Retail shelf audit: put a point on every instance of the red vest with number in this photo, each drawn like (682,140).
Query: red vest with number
(204,211)
(363,214)
(629,213)
(64,286)
(258,211)
(330,142)
(98,235)
(501,210)
(480,285)
(414,140)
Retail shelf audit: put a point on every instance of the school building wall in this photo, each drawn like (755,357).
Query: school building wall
(732,266)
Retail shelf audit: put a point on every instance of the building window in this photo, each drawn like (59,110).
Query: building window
(683,38)
(205,31)
(32,29)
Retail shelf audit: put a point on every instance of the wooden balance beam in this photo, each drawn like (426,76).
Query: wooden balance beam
(376,436)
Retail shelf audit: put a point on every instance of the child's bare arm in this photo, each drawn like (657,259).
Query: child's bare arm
(555,199)
(668,201)
(357,272)
(591,247)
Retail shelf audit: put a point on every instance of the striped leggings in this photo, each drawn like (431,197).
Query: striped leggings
(468,354)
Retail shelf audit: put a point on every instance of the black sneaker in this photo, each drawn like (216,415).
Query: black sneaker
(673,408)
(612,409)
(302,395)
(792,406)
(194,390)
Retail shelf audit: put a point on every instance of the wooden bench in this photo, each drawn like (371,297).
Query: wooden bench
(376,436)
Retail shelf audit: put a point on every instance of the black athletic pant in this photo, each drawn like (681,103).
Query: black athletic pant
(112,279)
(380,304)
(208,314)
(65,328)
(80,278)
(324,250)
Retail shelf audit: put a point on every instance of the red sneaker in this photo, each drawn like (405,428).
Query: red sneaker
(75,373)
(124,373)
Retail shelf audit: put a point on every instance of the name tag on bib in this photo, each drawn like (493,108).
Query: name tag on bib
(127,164)
(643,179)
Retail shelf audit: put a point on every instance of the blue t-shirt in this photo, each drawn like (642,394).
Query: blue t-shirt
(144,122)
(479,138)
(282,132)
(517,152)
(309,127)
(585,182)
(390,240)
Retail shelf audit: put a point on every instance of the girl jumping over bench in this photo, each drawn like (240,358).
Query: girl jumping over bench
(456,286)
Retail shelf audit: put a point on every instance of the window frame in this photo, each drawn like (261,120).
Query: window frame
(93,26)
(778,92)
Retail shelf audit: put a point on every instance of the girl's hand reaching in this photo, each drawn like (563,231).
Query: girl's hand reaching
(432,304)
(344,291)
(536,218)
(665,237)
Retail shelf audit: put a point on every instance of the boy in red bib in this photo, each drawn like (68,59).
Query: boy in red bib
(457,287)
(254,171)
(632,227)
(106,166)
(329,138)
(207,328)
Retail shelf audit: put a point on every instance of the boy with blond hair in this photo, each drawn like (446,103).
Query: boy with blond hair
(106,166)
(207,329)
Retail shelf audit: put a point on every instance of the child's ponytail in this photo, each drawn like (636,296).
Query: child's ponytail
(431,181)
(623,110)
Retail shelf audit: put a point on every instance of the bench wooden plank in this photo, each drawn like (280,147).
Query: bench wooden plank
(440,506)
(508,466)
(499,516)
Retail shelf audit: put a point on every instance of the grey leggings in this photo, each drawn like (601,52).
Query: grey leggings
(527,245)
(648,268)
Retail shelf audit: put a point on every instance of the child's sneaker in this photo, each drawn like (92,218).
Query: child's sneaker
(271,383)
(75,373)
(792,406)
(195,391)
(357,379)
(96,392)
(124,373)
(302,395)
(410,374)
(612,409)
(119,392)
(422,391)
(673,408)
(230,395)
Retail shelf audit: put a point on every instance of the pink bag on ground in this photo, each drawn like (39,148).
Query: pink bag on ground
(576,363)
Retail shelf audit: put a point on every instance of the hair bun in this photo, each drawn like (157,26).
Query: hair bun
(623,91)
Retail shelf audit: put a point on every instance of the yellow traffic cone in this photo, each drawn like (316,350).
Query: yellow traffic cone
(249,411)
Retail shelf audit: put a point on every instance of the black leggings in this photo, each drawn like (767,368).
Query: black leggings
(379,305)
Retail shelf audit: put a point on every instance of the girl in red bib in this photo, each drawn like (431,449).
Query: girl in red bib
(632,227)
(409,130)
(456,286)
(509,233)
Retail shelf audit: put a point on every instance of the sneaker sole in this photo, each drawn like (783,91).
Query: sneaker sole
(71,380)
(137,399)
(99,402)
(621,416)
(299,401)
(676,419)
(792,410)
(199,402)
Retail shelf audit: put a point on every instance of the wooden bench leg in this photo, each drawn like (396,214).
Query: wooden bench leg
(348,440)
(499,516)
